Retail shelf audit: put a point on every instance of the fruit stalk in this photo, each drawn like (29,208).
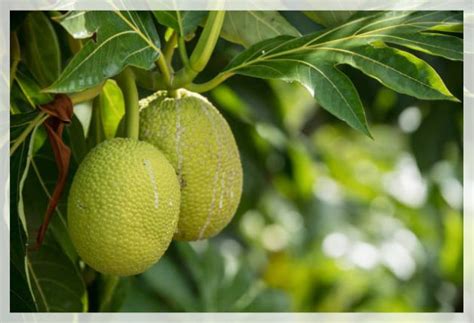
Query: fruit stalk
(126,82)
(203,50)
(209,85)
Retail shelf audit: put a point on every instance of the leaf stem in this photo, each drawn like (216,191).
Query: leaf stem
(40,118)
(126,82)
(182,51)
(169,49)
(207,41)
(165,71)
(209,85)
(203,50)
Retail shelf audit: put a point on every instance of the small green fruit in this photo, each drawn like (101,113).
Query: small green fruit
(198,142)
(123,207)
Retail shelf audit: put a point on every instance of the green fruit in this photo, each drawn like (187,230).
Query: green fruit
(198,142)
(123,207)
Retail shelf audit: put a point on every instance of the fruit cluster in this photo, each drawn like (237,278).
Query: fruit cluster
(182,180)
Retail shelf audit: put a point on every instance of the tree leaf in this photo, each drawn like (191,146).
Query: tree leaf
(310,60)
(249,27)
(112,108)
(166,278)
(112,292)
(21,297)
(329,18)
(398,70)
(445,46)
(30,88)
(77,140)
(56,283)
(184,22)
(195,277)
(122,39)
(26,96)
(38,189)
(41,48)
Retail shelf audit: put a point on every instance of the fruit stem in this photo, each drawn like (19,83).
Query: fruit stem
(203,50)
(209,85)
(126,82)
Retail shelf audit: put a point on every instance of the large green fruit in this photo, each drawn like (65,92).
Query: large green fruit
(123,207)
(198,142)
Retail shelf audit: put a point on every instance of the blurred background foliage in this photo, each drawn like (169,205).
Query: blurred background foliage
(330,220)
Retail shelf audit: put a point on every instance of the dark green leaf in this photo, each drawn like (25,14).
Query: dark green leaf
(195,279)
(122,39)
(41,48)
(329,18)
(184,22)
(396,69)
(30,88)
(249,27)
(112,292)
(96,130)
(434,44)
(54,280)
(310,60)
(21,297)
(56,283)
(167,279)
(77,140)
(141,298)
(37,193)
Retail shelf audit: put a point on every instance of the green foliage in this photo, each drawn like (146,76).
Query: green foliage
(311,60)
(43,61)
(123,39)
(250,27)
(208,280)
(330,219)
(330,18)
(184,22)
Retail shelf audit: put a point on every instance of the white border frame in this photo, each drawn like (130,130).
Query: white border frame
(468,102)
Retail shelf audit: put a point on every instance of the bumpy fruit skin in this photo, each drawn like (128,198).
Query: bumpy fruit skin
(123,207)
(198,142)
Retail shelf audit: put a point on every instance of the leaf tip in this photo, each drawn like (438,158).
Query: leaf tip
(366,131)
(454,99)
